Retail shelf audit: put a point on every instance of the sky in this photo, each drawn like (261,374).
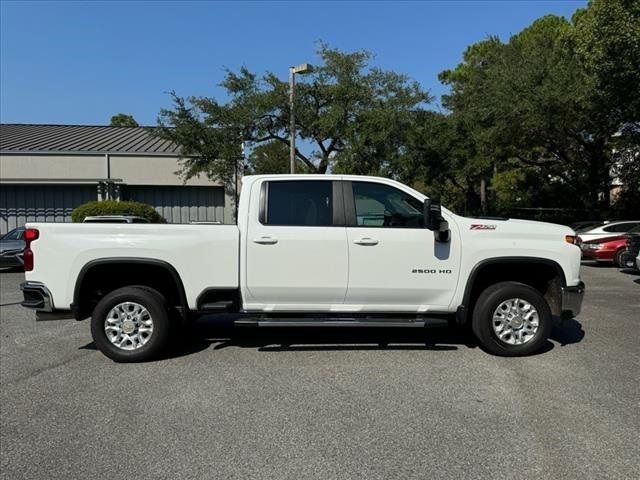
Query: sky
(82,62)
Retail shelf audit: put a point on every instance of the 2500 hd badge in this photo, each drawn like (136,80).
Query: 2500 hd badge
(432,270)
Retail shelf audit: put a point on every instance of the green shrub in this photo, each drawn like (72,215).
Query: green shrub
(114,207)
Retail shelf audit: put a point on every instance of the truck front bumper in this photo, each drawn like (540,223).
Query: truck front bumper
(572,299)
(36,296)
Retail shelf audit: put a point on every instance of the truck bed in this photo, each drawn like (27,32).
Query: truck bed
(204,256)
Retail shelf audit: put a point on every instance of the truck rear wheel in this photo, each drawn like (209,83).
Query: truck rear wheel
(131,324)
(511,319)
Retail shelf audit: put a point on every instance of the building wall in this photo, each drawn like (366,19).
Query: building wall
(47,186)
(151,170)
(182,204)
(131,169)
(43,167)
(20,204)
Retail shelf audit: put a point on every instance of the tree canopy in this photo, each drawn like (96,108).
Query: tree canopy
(547,118)
(353,115)
(123,120)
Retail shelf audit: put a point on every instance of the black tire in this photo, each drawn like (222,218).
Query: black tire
(485,307)
(154,302)
(617,258)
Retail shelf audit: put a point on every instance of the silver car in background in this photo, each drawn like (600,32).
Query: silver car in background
(11,248)
(115,219)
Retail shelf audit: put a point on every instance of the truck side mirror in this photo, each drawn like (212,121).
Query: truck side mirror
(434,221)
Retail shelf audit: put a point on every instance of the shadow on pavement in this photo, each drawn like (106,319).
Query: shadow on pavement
(567,332)
(594,264)
(630,271)
(223,334)
(633,272)
(11,269)
(344,339)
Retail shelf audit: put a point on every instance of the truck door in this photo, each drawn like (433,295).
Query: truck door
(395,264)
(296,247)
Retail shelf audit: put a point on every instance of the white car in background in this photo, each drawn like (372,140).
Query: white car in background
(610,229)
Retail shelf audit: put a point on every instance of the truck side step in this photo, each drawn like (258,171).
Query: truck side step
(220,306)
(339,322)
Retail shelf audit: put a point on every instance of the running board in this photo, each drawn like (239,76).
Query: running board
(216,306)
(330,322)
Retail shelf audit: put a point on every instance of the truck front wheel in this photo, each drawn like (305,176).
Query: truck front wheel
(130,324)
(511,319)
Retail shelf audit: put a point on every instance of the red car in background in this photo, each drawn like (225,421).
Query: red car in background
(607,249)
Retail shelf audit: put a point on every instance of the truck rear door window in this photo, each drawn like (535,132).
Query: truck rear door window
(305,203)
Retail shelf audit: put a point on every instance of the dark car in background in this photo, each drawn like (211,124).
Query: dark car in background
(11,247)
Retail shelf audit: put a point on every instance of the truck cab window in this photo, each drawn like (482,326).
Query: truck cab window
(304,203)
(379,205)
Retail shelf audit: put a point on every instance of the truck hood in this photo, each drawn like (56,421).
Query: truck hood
(514,227)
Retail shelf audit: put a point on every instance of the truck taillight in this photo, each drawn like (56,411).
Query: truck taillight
(30,234)
(571,239)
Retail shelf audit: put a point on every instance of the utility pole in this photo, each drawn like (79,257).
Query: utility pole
(302,68)
(292,123)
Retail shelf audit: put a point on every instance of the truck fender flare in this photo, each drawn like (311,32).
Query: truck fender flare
(462,311)
(184,306)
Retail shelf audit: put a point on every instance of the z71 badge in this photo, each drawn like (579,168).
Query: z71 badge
(482,226)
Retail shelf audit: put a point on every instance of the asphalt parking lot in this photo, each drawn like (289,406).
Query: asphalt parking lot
(326,404)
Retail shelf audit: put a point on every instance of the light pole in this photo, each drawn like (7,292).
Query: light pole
(302,68)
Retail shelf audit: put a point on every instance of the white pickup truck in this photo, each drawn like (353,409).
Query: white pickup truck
(309,250)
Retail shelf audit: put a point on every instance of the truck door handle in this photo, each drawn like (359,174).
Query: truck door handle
(265,240)
(366,241)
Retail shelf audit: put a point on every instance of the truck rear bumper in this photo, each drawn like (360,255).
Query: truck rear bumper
(36,296)
(572,299)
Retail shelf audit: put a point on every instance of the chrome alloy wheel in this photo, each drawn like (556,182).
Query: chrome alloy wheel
(515,321)
(128,325)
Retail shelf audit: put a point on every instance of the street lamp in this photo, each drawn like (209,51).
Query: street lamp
(302,68)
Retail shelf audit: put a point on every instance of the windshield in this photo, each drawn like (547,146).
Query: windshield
(15,234)
(590,226)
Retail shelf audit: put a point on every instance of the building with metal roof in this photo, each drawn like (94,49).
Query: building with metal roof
(83,138)
(48,170)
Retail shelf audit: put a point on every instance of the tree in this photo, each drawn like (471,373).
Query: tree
(607,41)
(116,207)
(123,120)
(439,161)
(543,104)
(271,157)
(354,117)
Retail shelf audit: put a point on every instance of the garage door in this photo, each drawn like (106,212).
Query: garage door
(182,204)
(40,203)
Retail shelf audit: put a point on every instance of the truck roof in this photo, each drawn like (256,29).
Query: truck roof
(250,179)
